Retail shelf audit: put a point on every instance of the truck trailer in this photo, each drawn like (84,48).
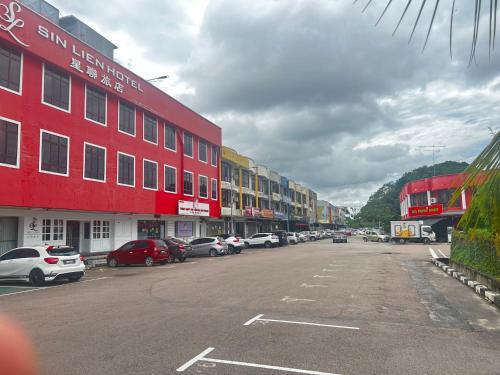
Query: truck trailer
(411,231)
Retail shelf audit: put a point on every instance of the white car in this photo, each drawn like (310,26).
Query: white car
(314,235)
(303,236)
(41,263)
(262,239)
(293,238)
(234,243)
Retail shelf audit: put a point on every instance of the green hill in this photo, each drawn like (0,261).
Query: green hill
(383,205)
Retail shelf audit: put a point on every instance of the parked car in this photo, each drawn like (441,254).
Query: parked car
(262,239)
(303,236)
(211,246)
(314,236)
(234,243)
(375,236)
(147,252)
(293,238)
(41,263)
(282,236)
(180,249)
(339,237)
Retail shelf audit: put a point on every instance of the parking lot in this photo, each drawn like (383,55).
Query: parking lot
(313,308)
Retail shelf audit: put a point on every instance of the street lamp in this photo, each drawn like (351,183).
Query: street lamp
(158,78)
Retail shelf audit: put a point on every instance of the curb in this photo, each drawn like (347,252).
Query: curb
(477,287)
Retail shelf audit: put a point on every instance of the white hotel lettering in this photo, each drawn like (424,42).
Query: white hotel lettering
(81,57)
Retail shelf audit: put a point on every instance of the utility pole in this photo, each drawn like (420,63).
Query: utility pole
(435,149)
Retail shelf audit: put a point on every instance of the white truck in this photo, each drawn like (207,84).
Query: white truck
(411,231)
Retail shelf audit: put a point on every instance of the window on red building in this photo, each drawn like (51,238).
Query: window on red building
(126,123)
(188,144)
(150,180)
(150,129)
(170,140)
(9,143)
(188,183)
(444,197)
(170,179)
(203,186)
(202,151)
(56,88)
(214,189)
(213,159)
(95,105)
(126,169)
(54,153)
(95,163)
(419,199)
(10,69)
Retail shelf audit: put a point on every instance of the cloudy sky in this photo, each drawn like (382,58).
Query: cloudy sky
(312,88)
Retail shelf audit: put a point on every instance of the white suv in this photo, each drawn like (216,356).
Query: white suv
(293,238)
(41,263)
(262,239)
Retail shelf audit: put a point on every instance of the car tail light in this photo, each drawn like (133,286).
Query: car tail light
(218,243)
(237,239)
(82,258)
(51,260)
(182,247)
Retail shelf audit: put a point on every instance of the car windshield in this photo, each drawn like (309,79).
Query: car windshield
(178,241)
(62,251)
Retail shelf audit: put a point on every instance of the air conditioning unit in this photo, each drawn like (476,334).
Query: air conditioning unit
(434,200)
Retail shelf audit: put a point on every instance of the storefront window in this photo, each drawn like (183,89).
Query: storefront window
(184,229)
(419,199)
(215,229)
(150,229)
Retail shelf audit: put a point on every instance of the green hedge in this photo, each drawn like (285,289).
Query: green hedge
(477,250)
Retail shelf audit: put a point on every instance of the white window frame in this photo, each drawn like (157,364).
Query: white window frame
(143,175)
(199,186)
(58,233)
(40,154)
(200,141)
(167,124)
(21,73)
(212,147)
(105,162)
(18,161)
(216,189)
(144,129)
(52,105)
(105,107)
(184,144)
(183,179)
(118,153)
(165,166)
(135,119)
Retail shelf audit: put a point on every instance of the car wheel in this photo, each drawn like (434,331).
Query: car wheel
(230,249)
(237,251)
(365,239)
(113,262)
(74,279)
(247,245)
(182,259)
(149,262)
(427,241)
(36,277)
(380,240)
(402,241)
(268,244)
(171,259)
(213,253)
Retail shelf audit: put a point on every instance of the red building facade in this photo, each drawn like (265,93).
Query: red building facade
(89,149)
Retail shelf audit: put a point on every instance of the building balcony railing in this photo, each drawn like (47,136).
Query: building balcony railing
(226,211)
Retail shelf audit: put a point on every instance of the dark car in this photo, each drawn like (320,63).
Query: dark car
(180,249)
(282,236)
(339,237)
(146,252)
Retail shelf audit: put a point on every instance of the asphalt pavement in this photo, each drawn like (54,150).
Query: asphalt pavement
(314,308)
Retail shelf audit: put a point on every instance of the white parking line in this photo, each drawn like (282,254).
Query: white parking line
(328,270)
(324,277)
(35,289)
(304,285)
(289,299)
(336,265)
(201,357)
(259,318)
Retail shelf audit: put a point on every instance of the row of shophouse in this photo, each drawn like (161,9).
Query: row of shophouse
(92,155)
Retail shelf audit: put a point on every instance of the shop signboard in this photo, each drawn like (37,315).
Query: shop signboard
(279,215)
(194,208)
(252,211)
(432,210)
(267,214)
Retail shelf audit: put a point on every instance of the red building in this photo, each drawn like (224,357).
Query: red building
(91,154)
(429,199)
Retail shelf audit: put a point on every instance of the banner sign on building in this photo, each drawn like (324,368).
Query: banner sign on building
(252,211)
(268,214)
(279,215)
(190,208)
(435,209)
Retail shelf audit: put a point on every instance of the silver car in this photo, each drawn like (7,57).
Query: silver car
(211,246)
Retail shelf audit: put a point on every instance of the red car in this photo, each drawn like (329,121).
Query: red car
(146,252)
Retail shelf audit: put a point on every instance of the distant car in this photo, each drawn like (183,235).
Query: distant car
(282,236)
(212,246)
(147,252)
(375,236)
(314,236)
(293,238)
(262,239)
(180,249)
(348,232)
(234,243)
(339,237)
(39,264)
(303,236)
